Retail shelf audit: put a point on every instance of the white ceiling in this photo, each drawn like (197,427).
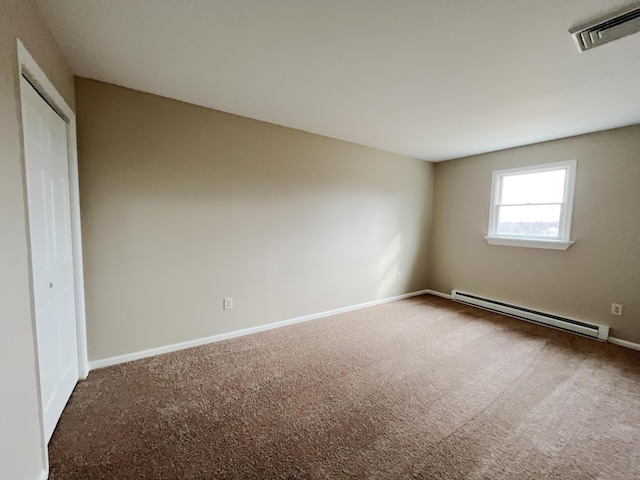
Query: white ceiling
(431,79)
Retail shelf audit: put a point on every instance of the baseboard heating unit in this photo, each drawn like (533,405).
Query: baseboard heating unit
(599,332)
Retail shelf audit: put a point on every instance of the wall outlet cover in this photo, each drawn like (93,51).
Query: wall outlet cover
(227,303)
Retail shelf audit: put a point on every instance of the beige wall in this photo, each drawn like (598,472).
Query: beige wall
(21,454)
(182,206)
(601,268)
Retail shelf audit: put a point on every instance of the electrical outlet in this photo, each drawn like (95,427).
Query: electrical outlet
(616,309)
(399,276)
(227,303)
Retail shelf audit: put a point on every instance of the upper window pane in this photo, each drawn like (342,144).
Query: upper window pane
(538,187)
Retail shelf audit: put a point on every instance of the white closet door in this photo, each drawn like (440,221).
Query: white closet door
(47,168)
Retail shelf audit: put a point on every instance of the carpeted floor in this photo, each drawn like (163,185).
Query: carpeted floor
(419,388)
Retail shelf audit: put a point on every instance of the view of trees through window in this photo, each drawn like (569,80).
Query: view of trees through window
(538,229)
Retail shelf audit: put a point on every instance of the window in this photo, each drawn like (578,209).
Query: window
(532,206)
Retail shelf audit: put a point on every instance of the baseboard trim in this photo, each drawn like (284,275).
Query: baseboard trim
(129,357)
(624,343)
(44,475)
(438,294)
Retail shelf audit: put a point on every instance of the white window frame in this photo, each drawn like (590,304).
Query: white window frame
(562,241)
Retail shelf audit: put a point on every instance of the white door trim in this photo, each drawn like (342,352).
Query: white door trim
(28,67)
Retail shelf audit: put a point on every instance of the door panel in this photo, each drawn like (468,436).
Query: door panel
(37,189)
(61,227)
(45,145)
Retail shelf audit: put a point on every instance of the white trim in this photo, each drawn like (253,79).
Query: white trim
(44,475)
(129,357)
(30,69)
(624,343)
(439,294)
(562,242)
(529,243)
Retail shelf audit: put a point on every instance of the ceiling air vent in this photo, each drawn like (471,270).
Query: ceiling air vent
(607,29)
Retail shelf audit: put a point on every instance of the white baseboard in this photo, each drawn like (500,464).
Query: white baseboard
(438,294)
(624,343)
(129,357)
(44,475)
(83,372)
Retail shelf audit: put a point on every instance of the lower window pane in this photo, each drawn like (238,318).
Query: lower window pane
(530,220)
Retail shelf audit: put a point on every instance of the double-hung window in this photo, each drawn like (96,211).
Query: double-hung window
(532,206)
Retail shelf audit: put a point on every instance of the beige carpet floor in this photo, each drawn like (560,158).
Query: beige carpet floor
(420,388)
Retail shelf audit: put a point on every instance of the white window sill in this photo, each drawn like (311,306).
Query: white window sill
(529,243)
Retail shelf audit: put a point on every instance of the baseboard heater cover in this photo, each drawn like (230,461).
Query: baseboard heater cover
(600,332)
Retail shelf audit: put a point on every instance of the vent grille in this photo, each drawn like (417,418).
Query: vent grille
(607,29)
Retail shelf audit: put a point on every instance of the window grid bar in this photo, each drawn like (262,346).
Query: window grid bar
(528,204)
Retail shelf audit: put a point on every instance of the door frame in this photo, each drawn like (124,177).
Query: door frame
(28,67)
